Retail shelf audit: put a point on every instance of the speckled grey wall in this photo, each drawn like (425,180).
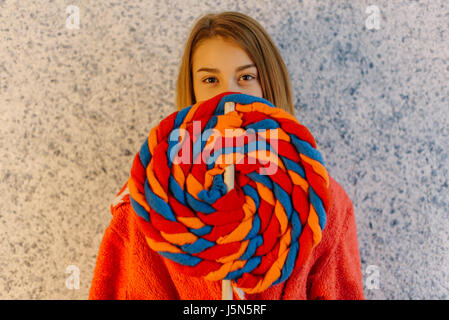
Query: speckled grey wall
(371,84)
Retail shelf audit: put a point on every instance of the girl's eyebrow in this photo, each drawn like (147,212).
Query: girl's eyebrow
(213,70)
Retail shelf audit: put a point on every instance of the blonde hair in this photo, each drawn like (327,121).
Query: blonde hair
(252,37)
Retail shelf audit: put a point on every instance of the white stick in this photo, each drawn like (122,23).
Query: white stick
(228,177)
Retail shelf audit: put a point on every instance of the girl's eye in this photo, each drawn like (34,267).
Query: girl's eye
(248,75)
(205,80)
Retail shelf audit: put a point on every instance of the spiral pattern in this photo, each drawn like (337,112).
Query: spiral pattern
(257,232)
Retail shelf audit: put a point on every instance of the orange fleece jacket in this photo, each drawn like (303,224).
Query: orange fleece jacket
(127,268)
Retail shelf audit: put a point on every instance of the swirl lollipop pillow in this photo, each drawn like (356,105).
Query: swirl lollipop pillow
(254,234)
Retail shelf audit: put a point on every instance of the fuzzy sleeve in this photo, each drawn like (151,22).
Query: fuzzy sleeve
(126,268)
(110,278)
(337,275)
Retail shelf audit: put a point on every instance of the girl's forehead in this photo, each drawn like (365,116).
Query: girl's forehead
(212,53)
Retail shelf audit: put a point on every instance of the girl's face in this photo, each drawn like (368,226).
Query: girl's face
(220,66)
